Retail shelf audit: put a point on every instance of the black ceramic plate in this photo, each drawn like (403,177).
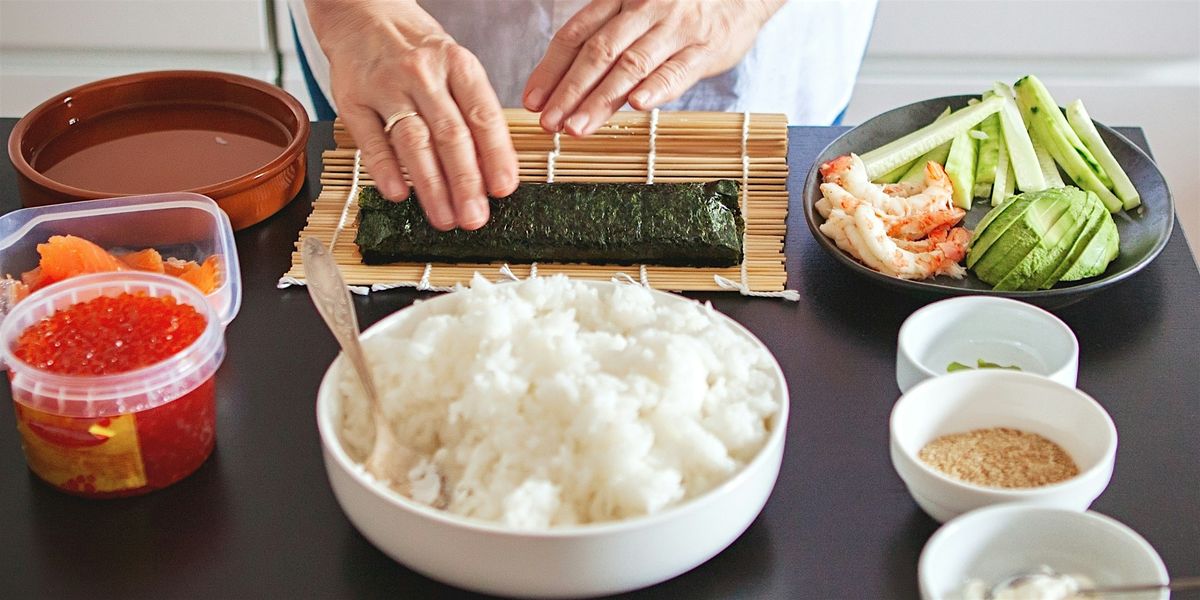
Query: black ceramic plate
(1143,231)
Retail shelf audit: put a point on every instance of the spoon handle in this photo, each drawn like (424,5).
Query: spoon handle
(1175,585)
(328,291)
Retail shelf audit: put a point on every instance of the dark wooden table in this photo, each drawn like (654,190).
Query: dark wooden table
(258,520)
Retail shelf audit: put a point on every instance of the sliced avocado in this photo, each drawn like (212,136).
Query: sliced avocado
(1096,213)
(1023,235)
(987,219)
(994,224)
(1044,257)
(1098,253)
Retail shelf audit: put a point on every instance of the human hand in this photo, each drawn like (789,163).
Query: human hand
(389,57)
(645,52)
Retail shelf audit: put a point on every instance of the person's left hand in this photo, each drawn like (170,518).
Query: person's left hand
(645,52)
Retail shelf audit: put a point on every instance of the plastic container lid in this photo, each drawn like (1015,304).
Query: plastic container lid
(117,393)
(181,225)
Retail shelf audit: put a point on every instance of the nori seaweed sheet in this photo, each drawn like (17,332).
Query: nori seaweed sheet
(681,224)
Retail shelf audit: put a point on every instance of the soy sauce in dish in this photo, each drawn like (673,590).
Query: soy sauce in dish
(150,148)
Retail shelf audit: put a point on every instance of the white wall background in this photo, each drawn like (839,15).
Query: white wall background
(1134,62)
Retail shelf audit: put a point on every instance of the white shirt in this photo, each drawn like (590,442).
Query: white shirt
(803,63)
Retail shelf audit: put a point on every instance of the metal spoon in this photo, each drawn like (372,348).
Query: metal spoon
(1183,583)
(388,460)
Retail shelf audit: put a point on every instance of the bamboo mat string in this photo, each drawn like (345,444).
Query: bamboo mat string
(653,147)
(743,286)
(552,156)
(650,158)
(351,198)
(507,272)
(424,286)
(623,277)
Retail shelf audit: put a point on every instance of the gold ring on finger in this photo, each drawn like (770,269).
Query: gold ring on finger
(396,117)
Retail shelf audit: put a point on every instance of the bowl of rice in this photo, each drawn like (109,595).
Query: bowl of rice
(571,438)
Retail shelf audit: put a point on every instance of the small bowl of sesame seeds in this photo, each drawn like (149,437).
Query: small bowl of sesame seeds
(975,438)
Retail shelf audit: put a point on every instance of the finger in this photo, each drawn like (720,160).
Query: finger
(635,65)
(563,48)
(671,79)
(414,144)
(377,154)
(456,152)
(595,59)
(493,144)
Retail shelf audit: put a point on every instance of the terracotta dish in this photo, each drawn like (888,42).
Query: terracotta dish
(234,139)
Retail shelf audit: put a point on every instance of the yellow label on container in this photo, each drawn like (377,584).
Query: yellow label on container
(82,454)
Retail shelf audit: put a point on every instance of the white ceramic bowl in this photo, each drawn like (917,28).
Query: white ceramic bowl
(579,561)
(968,400)
(995,543)
(998,330)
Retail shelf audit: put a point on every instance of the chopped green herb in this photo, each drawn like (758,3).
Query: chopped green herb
(982,364)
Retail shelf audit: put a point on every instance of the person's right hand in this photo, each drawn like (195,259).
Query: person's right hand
(390,57)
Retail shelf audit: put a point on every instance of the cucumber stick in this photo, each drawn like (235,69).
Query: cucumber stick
(989,151)
(1048,123)
(1033,96)
(916,173)
(1042,124)
(1017,141)
(960,168)
(1081,122)
(1046,162)
(895,174)
(1002,179)
(906,149)
(899,172)
(1010,185)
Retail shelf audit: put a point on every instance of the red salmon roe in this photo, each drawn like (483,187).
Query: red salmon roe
(110,334)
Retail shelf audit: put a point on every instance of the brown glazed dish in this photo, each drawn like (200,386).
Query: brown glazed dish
(234,139)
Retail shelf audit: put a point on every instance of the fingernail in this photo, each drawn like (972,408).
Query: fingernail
(503,187)
(552,120)
(441,218)
(390,189)
(578,124)
(641,98)
(534,99)
(474,214)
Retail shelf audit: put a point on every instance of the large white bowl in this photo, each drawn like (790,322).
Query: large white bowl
(998,330)
(579,561)
(993,544)
(968,400)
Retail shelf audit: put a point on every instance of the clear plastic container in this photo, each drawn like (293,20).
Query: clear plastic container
(123,433)
(180,225)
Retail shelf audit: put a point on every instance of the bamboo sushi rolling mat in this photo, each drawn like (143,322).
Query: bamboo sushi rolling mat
(632,147)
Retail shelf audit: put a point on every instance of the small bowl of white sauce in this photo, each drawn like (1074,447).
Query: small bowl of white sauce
(970,555)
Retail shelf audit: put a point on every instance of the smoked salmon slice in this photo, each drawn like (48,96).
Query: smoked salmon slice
(64,256)
(144,260)
(203,276)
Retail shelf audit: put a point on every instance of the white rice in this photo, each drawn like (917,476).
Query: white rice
(548,402)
